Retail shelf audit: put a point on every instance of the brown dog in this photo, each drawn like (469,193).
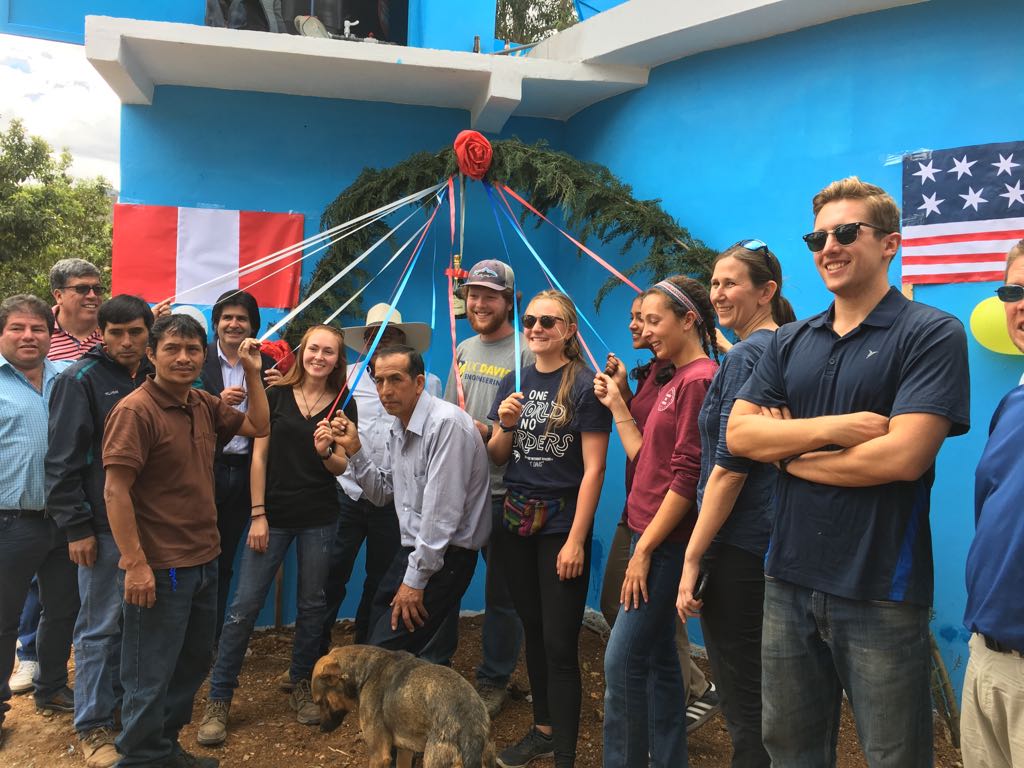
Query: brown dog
(404,703)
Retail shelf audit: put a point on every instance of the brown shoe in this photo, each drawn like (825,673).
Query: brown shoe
(98,748)
(306,712)
(213,730)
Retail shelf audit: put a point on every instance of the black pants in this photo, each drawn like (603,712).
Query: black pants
(359,521)
(731,619)
(231,477)
(552,613)
(443,592)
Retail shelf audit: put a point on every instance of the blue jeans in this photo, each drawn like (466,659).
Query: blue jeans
(360,521)
(256,574)
(33,545)
(502,631)
(165,653)
(98,689)
(814,646)
(645,698)
(28,625)
(234,505)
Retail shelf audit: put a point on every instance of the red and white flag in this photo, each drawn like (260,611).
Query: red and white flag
(162,251)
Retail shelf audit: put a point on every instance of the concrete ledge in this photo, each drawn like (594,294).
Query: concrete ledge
(136,56)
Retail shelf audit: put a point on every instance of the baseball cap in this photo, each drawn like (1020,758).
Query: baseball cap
(491,273)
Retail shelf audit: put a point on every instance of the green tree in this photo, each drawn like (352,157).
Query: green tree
(46,214)
(527,21)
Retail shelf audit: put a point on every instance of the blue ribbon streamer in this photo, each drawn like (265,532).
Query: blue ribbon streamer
(522,236)
(433,298)
(515,300)
(391,309)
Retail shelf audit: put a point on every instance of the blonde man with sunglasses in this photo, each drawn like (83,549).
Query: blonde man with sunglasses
(852,405)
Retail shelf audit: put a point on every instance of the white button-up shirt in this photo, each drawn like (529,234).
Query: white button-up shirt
(436,472)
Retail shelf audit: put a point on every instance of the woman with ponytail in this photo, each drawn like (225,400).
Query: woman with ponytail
(735,498)
(645,698)
(553,437)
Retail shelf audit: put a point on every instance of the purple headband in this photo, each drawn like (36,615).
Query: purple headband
(673,291)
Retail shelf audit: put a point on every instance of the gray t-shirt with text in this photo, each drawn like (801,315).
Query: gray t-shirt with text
(482,364)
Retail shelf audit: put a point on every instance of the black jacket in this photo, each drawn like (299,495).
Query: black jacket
(212,380)
(83,394)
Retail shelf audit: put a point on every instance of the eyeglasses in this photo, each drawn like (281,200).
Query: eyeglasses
(546,321)
(844,235)
(1009,293)
(85,290)
(757,246)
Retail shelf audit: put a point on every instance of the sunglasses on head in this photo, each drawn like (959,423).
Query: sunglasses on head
(84,290)
(757,246)
(1010,293)
(546,321)
(844,235)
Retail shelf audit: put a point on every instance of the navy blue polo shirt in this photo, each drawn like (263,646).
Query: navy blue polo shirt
(869,543)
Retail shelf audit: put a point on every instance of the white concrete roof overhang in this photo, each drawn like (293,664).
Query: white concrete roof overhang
(604,56)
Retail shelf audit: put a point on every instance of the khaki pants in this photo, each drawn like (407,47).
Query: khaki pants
(992,722)
(615,570)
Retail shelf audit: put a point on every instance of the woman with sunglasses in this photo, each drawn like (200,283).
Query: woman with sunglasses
(553,437)
(294,498)
(645,698)
(735,498)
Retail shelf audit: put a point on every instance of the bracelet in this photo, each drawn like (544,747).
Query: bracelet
(258,506)
(623,421)
(261,514)
(505,429)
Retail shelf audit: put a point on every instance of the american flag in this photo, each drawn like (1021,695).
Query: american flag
(963,209)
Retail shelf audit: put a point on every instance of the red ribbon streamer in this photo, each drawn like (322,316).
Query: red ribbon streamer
(575,242)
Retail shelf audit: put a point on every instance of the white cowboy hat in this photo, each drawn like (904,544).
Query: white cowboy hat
(417,335)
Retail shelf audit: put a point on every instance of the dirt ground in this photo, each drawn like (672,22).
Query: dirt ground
(263,733)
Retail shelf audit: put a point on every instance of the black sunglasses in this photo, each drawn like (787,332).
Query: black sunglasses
(757,246)
(546,321)
(844,235)
(1010,293)
(85,290)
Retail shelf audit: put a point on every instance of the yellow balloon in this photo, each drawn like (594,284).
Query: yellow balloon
(988,324)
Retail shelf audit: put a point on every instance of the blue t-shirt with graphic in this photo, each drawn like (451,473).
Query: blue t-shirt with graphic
(548,463)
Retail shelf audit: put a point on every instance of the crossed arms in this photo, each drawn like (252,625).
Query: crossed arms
(874,449)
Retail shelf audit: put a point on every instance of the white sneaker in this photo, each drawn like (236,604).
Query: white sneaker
(21,680)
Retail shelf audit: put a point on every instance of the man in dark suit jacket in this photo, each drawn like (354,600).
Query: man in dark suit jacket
(236,316)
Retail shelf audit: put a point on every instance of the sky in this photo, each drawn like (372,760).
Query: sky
(60,97)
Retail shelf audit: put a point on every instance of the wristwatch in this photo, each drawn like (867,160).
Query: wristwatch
(490,431)
(330,452)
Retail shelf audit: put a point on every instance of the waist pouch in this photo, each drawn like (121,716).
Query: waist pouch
(524,516)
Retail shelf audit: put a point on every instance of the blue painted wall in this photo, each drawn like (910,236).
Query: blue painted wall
(451,25)
(736,142)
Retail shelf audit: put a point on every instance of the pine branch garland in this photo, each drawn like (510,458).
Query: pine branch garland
(595,205)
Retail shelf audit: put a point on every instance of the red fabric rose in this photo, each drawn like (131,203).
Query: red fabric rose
(473,153)
(281,352)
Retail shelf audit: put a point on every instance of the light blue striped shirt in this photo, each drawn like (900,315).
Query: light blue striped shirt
(24,421)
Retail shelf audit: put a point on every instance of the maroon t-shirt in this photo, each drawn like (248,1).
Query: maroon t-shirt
(640,407)
(669,458)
